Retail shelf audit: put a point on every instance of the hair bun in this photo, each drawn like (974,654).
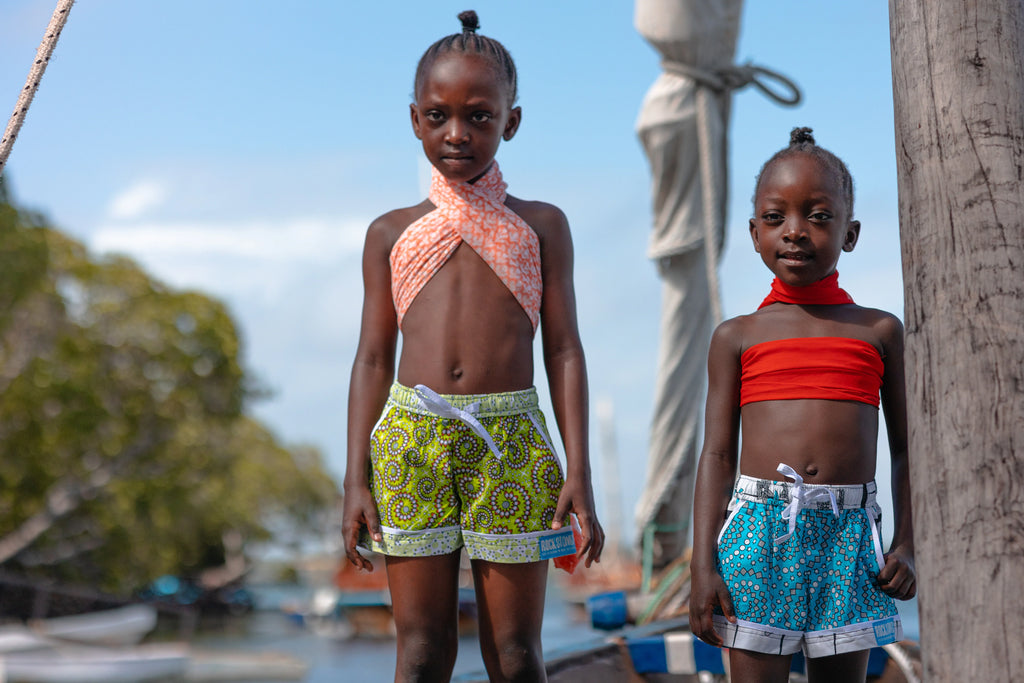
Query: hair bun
(470,21)
(798,136)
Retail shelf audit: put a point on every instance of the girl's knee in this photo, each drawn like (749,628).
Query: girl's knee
(427,655)
(517,660)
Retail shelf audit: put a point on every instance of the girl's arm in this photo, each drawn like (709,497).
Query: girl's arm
(716,476)
(897,578)
(372,373)
(566,370)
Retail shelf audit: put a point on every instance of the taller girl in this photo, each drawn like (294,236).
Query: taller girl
(456,452)
(788,556)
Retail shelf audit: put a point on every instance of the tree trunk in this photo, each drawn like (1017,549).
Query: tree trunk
(958,88)
(66,495)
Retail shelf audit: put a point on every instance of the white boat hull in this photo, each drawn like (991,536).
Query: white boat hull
(88,665)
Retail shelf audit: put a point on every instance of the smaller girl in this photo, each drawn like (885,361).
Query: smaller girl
(788,555)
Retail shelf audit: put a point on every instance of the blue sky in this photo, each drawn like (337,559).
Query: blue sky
(241,148)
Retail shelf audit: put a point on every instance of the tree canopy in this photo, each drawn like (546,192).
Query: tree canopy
(126,449)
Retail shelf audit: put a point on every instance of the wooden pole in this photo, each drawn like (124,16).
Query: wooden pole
(958,90)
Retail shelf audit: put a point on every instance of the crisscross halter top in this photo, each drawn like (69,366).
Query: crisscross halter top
(475,214)
(835,368)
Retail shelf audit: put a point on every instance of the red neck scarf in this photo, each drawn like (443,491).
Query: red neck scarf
(822,292)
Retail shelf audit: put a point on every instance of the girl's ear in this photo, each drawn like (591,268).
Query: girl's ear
(852,234)
(753,236)
(414,115)
(515,116)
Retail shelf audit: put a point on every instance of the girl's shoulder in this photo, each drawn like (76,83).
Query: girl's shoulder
(735,334)
(875,322)
(877,327)
(887,328)
(541,216)
(388,227)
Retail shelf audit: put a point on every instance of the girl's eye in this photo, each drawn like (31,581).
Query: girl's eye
(771,217)
(481,117)
(434,115)
(821,216)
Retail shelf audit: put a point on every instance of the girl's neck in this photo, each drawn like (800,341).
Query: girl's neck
(473,180)
(823,292)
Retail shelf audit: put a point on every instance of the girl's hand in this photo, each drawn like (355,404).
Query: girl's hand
(578,497)
(708,590)
(897,578)
(359,511)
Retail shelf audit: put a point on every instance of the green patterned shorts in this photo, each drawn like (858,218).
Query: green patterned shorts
(476,470)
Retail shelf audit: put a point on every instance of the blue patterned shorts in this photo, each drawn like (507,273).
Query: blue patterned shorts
(801,563)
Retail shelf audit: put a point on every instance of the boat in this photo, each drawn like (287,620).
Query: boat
(103,647)
(665,650)
(114,627)
(83,664)
(120,626)
(20,639)
(170,592)
(209,666)
(156,662)
(357,604)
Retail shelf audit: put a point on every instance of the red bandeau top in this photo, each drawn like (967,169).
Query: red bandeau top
(835,368)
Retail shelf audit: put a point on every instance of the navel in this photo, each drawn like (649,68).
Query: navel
(811,470)
(456,373)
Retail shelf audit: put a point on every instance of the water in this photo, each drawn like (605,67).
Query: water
(370,660)
(908,614)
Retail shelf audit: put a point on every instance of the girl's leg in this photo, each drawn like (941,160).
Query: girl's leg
(510,608)
(849,667)
(425,602)
(755,667)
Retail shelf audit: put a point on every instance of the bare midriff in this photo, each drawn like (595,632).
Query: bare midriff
(826,442)
(465,333)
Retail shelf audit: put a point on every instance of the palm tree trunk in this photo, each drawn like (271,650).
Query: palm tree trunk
(958,88)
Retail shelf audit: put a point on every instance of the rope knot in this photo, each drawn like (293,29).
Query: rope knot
(737,76)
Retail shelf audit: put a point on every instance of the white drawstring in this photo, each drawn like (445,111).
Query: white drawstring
(436,404)
(799,497)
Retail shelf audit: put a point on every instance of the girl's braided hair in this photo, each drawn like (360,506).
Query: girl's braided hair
(469,41)
(801,141)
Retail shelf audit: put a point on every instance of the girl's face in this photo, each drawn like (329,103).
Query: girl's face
(461,113)
(801,221)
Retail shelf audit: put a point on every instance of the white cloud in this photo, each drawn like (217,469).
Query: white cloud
(137,199)
(308,265)
(301,240)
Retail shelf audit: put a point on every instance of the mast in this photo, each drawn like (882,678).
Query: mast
(958,90)
(610,477)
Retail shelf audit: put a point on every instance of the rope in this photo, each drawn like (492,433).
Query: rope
(708,174)
(903,661)
(722,81)
(35,75)
(737,76)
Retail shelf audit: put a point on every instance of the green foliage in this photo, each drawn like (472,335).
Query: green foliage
(125,450)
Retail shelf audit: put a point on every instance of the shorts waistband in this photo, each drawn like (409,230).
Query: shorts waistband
(847,496)
(480,405)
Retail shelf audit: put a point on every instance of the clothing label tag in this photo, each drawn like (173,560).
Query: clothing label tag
(556,544)
(885,631)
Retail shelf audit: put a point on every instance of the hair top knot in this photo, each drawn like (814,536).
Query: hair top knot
(799,136)
(801,141)
(471,42)
(470,21)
